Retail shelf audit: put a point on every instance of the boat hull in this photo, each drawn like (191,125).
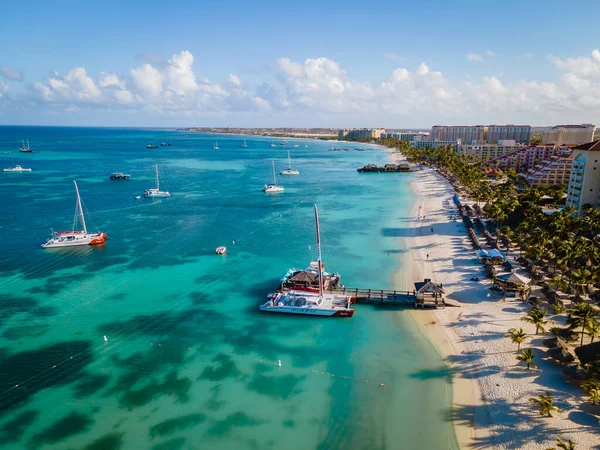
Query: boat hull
(319,312)
(289,172)
(69,239)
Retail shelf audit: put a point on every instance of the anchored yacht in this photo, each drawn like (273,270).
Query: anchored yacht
(289,170)
(17,168)
(273,188)
(156,192)
(74,238)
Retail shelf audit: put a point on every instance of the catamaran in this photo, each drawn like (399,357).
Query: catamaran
(289,170)
(26,148)
(244,144)
(156,192)
(273,188)
(74,238)
(216,146)
(310,303)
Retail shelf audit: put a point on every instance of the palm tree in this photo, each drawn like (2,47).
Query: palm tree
(516,336)
(582,317)
(592,389)
(536,317)
(526,356)
(593,330)
(562,445)
(545,404)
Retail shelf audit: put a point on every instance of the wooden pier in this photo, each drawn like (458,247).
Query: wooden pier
(388,297)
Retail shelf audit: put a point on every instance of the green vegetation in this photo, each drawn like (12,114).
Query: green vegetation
(584,316)
(535,140)
(545,403)
(592,390)
(516,336)
(536,316)
(562,445)
(526,356)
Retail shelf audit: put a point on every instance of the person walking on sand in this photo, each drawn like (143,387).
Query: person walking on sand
(427,255)
(432,229)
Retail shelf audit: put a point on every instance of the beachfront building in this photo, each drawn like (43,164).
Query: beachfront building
(428,293)
(517,133)
(484,151)
(482,133)
(361,133)
(569,134)
(555,170)
(463,133)
(526,158)
(434,144)
(584,183)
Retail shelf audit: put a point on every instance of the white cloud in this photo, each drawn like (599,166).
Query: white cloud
(392,56)
(10,73)
(3,88)
(474,57)
(110,79)
(179,75)
(147,79)
(489,53)
(585,67)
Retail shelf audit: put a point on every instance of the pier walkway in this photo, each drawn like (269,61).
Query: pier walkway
(388,297)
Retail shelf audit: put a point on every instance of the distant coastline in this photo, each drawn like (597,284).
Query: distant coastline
(306,133)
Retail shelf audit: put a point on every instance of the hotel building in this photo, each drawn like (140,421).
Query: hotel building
(483,152)
(584,183)
(554,170)
(526,158)
(485,133)
(569,134)
(358,133)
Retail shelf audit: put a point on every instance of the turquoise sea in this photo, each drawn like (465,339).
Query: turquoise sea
(190,363)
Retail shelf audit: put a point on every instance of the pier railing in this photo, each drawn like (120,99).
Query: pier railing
(386,297)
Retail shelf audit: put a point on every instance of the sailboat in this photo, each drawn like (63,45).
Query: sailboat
(244,144)
(73,238)
(156,192)
(273,188)
(310,303)
(26,148)
(216,146)
(289,170)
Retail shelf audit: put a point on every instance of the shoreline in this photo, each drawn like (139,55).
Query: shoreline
(490,391)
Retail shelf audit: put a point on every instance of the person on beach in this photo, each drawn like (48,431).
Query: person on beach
(432,229)
(427,255)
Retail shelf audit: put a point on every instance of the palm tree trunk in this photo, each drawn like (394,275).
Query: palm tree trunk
(582,333)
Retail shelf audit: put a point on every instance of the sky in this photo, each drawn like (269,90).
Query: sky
(392,64)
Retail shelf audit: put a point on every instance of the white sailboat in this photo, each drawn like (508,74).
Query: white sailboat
(310,303)
(156,192)
(289,170)
(74,238)
(244,145)
(273,188)
(17,168)
(216,146)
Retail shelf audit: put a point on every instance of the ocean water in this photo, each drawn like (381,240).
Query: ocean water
(190,362)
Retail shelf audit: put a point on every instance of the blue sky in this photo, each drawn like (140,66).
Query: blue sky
(394,64)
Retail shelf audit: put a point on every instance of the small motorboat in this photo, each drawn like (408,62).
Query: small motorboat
(151,146)
(273,145)
(165,144)
(119,176)
(17,168)
(221,250)
(137,197)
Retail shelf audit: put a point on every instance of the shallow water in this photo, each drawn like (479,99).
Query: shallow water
(189,361)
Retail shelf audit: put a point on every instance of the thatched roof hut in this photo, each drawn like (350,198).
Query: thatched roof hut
(588,353)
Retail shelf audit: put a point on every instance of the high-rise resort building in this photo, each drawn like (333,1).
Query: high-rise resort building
(584,183)
(554,170)
(434,144)
(569,134)
(482,133)
(361,133)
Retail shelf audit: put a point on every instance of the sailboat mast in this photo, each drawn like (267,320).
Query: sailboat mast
(319,262)
(274,177)
(79,207)
(157,184)
(289,160)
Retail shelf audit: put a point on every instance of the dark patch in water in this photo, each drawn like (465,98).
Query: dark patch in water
(56,284)
(172,385)
(90,384)
(238,419)
(11,305)
(171,444)
(203,298)
(68,426)
(168,427)
(223,368)
(27,330)
(282,387)
(12,430)
(118,296)
(110,441)
(34,369)
(289,423)
(44,311)
(213,402)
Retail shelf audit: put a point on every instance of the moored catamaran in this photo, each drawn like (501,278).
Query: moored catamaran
(310,303)
(74,238)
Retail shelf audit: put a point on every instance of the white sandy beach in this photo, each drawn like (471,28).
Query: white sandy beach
(491,392)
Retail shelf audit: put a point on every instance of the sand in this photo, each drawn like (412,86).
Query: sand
(491,392)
